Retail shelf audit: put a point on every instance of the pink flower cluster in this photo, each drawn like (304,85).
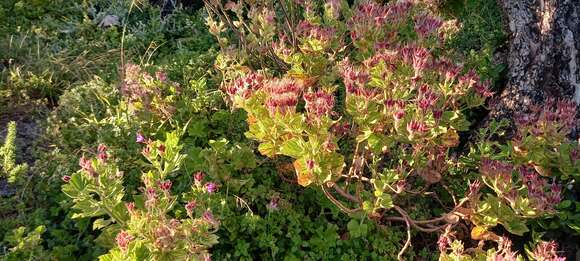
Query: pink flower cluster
(244,86)
(371,16)
(417,127)
(558,116)
(123,239)
(471,80)
(448,69)
(366,17)
(426,24)
(396,107)
(418,57)
(496,169)
(547,251)
(318,103)
(307,30)
(355,81)
(283,95)
(427,97)
(543,195)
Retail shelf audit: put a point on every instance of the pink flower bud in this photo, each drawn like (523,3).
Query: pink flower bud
(66,178)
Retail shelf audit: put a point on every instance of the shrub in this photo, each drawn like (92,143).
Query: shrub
(365,103)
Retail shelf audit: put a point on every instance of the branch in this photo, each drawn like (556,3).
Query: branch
(342,192)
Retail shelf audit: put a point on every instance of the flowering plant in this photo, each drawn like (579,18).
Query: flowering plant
(365,103)
(149,226)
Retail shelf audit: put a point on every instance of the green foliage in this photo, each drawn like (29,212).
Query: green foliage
(25,246)
(10,170)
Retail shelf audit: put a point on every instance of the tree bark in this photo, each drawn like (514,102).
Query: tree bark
(544,54)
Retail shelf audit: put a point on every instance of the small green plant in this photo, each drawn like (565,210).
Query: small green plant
(11,170)
(146,227)
(25,246)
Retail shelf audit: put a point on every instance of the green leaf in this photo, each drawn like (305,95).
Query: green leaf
(293,148)
(516,227)
(356,228)
(101,223)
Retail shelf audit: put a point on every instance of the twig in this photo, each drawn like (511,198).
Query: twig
(338,203)
(343,193)
(407,243)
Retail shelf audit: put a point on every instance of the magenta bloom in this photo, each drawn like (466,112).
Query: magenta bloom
(140,138)
(210,187)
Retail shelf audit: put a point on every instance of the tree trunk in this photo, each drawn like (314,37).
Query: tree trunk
(544,54)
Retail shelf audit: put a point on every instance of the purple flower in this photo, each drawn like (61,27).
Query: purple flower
(210,187)
(140,138)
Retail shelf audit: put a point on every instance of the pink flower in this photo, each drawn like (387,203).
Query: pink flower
(165,185)
(547,251)
(318,104)
(208,217)
(151,194)
(420,60)
(307,30)
(482,88)
(210,187)
(190,206)
(198,177)
(102,153)
(443,243)
(426,24)
(273,205)
(398,114)
(310,164)
(87,166)
(131,208)
(161,76)
(123,239)
(283,95)
(416,127)
(245,86)
(494,168)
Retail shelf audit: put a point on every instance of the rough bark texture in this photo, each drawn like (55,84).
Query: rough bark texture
(544,56)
